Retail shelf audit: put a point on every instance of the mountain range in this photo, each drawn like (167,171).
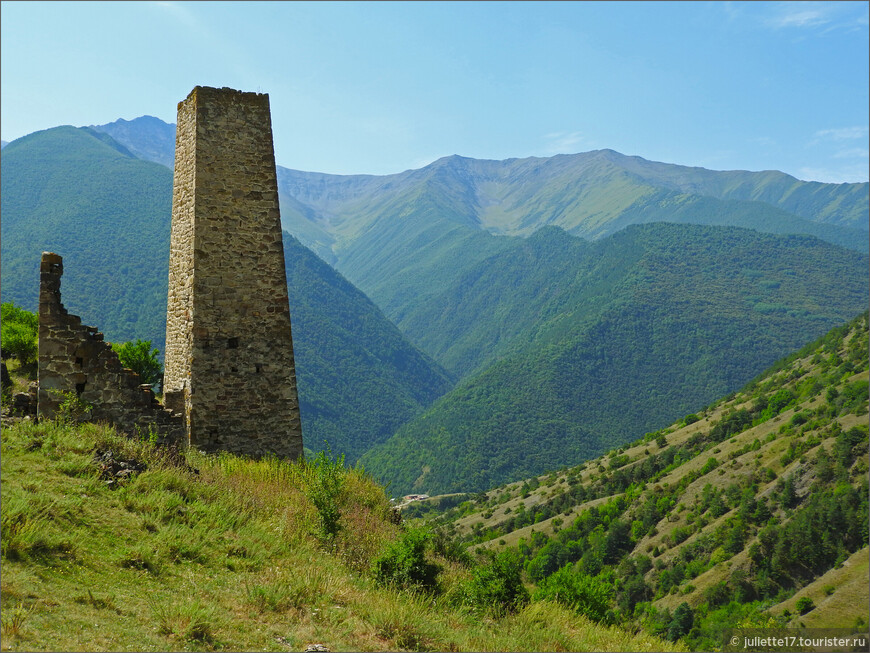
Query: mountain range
(550,291)
(81,194)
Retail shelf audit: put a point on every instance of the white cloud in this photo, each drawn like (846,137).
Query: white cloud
(847,174)
(180,13)
(853,153)
(829,16)
(798,18)
(563,142)
(842,133)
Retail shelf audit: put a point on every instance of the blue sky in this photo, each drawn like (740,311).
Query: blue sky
(377,88)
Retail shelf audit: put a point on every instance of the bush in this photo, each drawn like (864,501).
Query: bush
(497,587)
(585,594)
(805,604)
(404,563)
(139,357)
(451,548)
(72,409)
(324,489)
(20,333)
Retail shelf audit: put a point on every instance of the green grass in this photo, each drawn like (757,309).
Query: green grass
(804,442)
(223,553)
(840,596)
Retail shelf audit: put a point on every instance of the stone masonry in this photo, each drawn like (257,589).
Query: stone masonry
(229,364)
(73,358)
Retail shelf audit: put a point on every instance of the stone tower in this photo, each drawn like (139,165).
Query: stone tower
(229,353)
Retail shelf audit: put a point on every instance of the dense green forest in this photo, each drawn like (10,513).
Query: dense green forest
(359,379)
(631,331)
(82,195)
(742,513)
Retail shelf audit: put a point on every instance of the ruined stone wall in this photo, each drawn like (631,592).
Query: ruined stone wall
(229,352)
(74,358)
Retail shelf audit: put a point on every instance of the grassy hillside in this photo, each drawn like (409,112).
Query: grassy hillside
(842,204)
(737,511)
(110,544)
(81,194)
(580,347)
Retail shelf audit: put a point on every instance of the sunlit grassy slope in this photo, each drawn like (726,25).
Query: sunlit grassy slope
(759,499)
(223,553)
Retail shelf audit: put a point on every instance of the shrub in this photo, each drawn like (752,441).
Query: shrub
(20,333)
(189,620)
(19,342)
(404,563)
(14,618)
(717,594)
(451,548)
(497,587)
(139,357)
(585,594)
(805,604)
(73,409)
(324,490)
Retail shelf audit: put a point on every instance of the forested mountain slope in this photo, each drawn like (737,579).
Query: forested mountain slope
(84,196)
(359,378)
(753,510)
(631,332)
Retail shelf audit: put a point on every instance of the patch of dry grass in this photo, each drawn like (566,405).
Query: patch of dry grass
(222,553)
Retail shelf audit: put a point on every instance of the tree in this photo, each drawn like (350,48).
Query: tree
(404,563)
(20,333)
(585,594)
(681,624)
(497,586)
(139,357)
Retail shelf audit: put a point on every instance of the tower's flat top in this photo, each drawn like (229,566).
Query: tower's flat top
(211,91)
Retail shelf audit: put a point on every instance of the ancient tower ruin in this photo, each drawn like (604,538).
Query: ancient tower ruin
(229,364)
(75,361)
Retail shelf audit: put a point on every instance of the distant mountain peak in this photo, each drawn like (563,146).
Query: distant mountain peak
(146,137)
